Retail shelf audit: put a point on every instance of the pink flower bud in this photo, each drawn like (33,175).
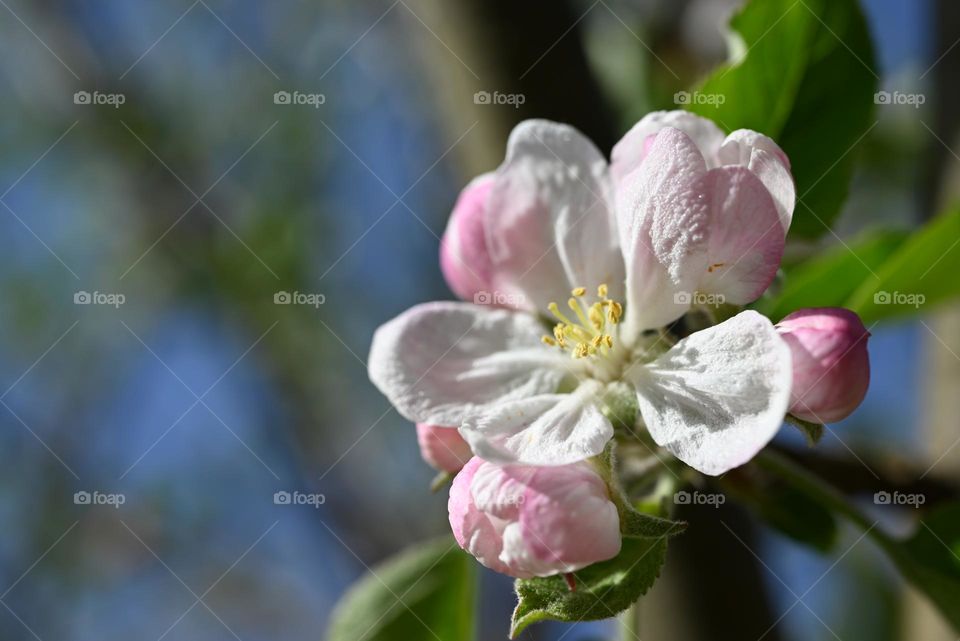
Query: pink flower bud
(831,367)
(442,447)
(464,259)
(533,521)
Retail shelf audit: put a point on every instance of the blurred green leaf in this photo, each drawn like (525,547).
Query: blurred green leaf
(602,590)
(921,273)
(802,73)
(930,559)
(793,513)
(425,592)
(830,278)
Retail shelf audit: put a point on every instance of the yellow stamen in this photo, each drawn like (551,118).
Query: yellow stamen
(575,306)
(615,312)
(596,316)
(587,335)
(555,310)
(558,333)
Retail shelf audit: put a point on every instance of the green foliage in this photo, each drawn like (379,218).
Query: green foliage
(921,273)
(802,73)
(640,524)
(602,590)
(831,277)
(791,512)
(425,592)
(930,559)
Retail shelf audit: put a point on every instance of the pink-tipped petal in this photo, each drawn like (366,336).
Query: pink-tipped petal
(763,157)
(746,238)
(634,147)
(464,259)
(550,224)
(442,447)
(738,148)
(537,521)
(568,519)
(693,236)
(663,224)
(831,365)
(475,531)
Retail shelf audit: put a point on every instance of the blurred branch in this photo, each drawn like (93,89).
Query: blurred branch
(530,48)
(852,476)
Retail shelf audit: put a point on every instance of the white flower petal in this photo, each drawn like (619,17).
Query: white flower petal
(550,225)
(634,146)
(439,362)
(663,223)
(549,429)
(718,396)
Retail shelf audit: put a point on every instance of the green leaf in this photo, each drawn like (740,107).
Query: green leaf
(639,524)
(802,73)
(920,274)
(602,590)
(425,592)
(930,560)
(799,517)
(830,278)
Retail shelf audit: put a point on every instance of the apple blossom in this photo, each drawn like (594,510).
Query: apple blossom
(666,232)
(831,366)
(442,447)
(533,521)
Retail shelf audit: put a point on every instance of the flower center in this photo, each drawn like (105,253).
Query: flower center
(588,335)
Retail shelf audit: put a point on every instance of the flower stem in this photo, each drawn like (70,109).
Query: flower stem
(817,489)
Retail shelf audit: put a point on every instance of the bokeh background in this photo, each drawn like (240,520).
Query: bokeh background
(195,397)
